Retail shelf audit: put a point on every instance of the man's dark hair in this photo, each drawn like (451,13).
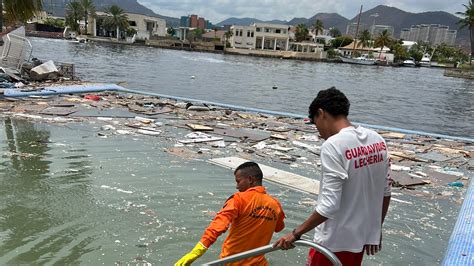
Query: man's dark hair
(250,169)
(330,100)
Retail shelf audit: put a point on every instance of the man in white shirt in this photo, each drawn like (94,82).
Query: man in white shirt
(355,185)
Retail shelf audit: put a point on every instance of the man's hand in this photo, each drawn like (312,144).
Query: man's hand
(285,242)
(189,258)
(373,249)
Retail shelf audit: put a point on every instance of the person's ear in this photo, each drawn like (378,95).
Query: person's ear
(320,112)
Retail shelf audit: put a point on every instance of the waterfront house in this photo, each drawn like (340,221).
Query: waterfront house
(260,36)
(359,48)
(147,27)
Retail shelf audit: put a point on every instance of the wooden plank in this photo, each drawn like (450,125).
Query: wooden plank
(243,133)
(197,127)
(59,111)
(274,175)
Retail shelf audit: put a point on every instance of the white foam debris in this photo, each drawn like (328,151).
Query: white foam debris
(116,189)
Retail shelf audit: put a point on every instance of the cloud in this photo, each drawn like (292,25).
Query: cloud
(218,10)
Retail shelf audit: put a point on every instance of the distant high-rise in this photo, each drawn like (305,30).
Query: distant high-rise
(352,28)
(193,21)
(376,30)
(432,33)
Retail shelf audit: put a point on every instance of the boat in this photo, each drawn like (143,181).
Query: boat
(361,60)
(409,62)
(425,60)
(364,58)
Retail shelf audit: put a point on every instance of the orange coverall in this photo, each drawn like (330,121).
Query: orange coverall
(254,216)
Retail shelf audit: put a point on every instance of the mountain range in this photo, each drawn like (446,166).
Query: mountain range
(58,7)
(387,15)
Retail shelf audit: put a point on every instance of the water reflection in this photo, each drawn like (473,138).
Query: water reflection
(37,217)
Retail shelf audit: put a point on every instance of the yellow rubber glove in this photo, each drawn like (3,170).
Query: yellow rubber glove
(189,258)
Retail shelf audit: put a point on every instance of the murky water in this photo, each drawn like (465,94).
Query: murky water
(410,98)
(69,197)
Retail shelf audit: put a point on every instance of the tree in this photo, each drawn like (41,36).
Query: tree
(116,19)
(318,26)
(88,9)
(365,39)
(198,33)
(468,21)
(18,11)
(399,52)
(341,41)
(73,15)
(54,22)
(334,32)
(227,36)
(301,32)
(171,31)
(383,40)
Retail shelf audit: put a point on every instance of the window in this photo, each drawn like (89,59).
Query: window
(284,32)
(132,23)
(251,34)
(267,30)
(277,31)
(248,33)
(258,29)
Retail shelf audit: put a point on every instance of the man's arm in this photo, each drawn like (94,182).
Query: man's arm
(286,242)
(373,249)
(219,225)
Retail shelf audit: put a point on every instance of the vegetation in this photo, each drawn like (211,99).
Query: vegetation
(334,32)
(301,32)
(318,27)
(468,21)
(365,39)
(341,41)
(18,11)
(171,31)
(116,19)
(54,22)
(399,52)
(73,15)
(227,36)
(131,32)
(198,33)
(88,9)
(383,40)
(442,53)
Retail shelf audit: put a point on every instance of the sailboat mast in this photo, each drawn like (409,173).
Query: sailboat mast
(357,31)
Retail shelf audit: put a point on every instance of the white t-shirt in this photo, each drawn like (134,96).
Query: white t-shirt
(355,178)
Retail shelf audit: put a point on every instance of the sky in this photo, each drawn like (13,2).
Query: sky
(218,10)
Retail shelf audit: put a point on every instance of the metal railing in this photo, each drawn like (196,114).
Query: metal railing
(269,248)
(17,50)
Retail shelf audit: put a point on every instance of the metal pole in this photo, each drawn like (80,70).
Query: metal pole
(269,248)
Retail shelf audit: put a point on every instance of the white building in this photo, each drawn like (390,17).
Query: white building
(146,26)
(262,36)
(432,33)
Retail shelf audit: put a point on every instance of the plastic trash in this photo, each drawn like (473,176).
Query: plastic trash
(456,184)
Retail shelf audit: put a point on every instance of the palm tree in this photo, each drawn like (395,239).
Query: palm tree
(301,32)
(73,15)
(19,10)
(88,9)
(334,32)
(365,39)
(318,26)
(227,36)
(384,39)
(116,19)
(468,21)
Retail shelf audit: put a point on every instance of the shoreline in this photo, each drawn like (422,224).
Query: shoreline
(230,51)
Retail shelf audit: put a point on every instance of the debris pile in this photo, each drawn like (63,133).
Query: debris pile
(203,131)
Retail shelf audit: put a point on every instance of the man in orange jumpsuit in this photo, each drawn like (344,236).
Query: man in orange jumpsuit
(253,214)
